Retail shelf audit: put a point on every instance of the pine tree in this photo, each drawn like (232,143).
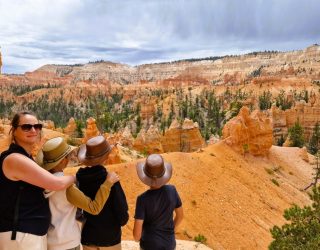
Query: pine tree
(314,143)
(79,127)
(303,233)
(296,135)
(265,100)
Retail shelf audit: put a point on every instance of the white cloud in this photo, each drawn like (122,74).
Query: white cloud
(37,32)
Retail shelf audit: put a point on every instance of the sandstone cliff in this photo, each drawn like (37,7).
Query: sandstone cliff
(306,114)
(185,138)
(228,69)
(249,133)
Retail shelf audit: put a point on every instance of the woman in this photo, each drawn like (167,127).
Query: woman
(25,214)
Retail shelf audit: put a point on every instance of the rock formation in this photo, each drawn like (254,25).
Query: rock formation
(114,156)
(304,154)
(147,109)
(249,133)
(48,124)
(148,141)
(91,130)
(71,127)
(307,114)
(185,138)
(184,73)
(126,138)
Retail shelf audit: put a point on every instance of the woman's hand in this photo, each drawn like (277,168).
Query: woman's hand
(112,177)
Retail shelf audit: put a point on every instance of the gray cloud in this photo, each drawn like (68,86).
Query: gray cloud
(34,33)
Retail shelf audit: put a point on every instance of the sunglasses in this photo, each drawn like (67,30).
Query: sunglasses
(28,127)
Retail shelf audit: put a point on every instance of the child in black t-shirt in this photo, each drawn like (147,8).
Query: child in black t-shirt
(154,225)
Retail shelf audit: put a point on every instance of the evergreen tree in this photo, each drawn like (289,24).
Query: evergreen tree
(314,143)
(296,135)
(138,124)
(265,100)
(282,101)
(79,127)
(303,233)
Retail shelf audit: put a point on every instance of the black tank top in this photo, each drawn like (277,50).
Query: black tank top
(34,213)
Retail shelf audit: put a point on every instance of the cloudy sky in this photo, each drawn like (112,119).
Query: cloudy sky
(38,32)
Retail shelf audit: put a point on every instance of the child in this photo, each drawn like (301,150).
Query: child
(64,232)
(154,225)
(102,231)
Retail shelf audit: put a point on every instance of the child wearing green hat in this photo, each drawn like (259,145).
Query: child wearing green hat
(64,232)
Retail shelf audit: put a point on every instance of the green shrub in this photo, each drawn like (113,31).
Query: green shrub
(200,238)
(275,182)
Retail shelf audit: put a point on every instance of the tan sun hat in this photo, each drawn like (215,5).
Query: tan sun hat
(154,172)
(53,152)
(95,151)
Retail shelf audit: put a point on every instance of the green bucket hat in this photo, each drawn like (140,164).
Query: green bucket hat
(53,152)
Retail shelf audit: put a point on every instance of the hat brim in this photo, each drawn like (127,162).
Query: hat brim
(154,182)
(93,161)
(51,165)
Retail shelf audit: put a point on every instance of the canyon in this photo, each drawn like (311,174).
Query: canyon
(205,117)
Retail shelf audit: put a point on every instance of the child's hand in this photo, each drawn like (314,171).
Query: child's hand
(112,177)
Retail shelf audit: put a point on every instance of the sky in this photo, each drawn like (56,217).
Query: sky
(38,32)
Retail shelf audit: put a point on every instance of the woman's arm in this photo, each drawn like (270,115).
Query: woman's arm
(18,167)
(178,217)
(137,229)
(80,200)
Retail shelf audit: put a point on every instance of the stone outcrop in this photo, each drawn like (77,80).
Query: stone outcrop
(307,114)
(129,93)
(71,127)
(126,138)
(147,109)
(304,154)
(249,133)
(287,142)
(148,141)
(114,156)
(185,138)
(91,129)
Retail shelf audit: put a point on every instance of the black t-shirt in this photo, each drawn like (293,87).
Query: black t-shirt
(155,208)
